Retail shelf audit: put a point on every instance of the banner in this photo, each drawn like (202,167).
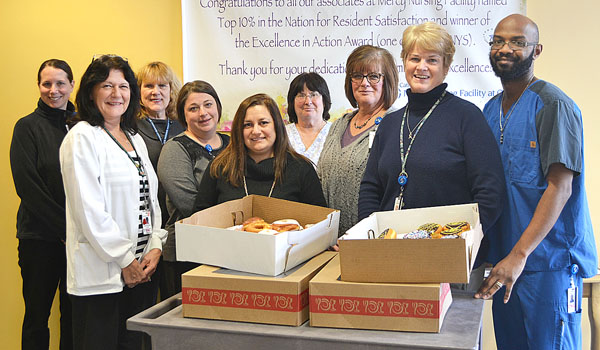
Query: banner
(243,47)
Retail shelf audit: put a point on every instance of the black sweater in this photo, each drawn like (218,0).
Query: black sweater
(300,184)
(36,172)
(454,159)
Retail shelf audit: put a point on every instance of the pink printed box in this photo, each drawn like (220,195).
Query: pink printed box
(221,294)
(383,306)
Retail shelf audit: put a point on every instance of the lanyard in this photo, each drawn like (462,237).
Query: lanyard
(403,176)
(162,140)
(138,165)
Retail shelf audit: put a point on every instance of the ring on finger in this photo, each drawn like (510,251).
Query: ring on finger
(499,284)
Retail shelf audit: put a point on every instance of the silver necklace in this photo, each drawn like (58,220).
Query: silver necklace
(270,192)
(512,108)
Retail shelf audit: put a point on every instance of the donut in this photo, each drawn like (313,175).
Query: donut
(286,225)
(251,220)
(256,226)
(456,228)
(432,228)
(388,233)
(451,231)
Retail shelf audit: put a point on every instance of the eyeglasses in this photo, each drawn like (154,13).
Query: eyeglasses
(98,56)
(372,78)
(514,45)
(301,96)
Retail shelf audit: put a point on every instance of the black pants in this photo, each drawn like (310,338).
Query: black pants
(99,321)
(43,268)
(171,277)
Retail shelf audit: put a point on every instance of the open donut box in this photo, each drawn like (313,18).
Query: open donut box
(411,260)
(203,237)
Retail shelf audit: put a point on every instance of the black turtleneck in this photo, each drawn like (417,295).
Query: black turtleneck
(300,184)
(36,172)
(454,159)
(421,103)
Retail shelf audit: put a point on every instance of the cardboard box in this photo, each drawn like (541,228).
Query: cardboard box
(203,238)
(216,293)
(411,260)
(384,306)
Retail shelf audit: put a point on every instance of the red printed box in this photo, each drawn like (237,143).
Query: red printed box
(222,294)
(384,306)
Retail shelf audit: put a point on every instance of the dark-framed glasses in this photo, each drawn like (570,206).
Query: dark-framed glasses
(514,45)
(301,96)
(372,78)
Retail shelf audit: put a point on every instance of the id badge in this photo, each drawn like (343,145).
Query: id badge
(572,300)
(146,224)
(398,203)
(371,138)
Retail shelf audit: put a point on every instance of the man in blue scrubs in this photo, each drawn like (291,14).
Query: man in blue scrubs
(543,244)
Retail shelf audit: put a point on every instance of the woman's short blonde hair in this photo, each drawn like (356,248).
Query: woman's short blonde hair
(367,57)
(160,73)
(428,36)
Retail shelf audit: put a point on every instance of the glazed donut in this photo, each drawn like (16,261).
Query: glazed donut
(256,226)
(251,220)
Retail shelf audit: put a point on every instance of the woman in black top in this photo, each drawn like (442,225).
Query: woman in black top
(259,160)
(41,216)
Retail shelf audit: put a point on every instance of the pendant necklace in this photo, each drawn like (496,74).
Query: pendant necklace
(512,108)
(403,176)
(367,121)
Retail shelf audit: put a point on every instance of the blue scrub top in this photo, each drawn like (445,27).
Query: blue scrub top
(545,127)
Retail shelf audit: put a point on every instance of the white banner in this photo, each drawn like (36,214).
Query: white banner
(243,47)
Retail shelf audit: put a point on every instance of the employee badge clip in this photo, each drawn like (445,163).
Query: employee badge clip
(573,292)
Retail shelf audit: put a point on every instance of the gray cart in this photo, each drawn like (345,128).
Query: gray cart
(170,330)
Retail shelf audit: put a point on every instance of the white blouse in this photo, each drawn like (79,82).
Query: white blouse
(314,151)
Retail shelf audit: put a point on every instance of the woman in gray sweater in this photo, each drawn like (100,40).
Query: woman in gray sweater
(372,87)
(181,165)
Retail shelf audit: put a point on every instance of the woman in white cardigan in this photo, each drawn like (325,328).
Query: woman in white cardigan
(114,239)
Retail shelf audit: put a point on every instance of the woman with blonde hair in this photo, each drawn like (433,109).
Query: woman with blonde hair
(157,122)
(259,160)
(438,149)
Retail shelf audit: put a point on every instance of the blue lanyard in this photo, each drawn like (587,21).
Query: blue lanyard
(162,140)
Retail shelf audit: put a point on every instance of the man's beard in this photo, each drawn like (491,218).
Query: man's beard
(518,69)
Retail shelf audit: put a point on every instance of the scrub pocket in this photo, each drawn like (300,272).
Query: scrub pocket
(567,333)
(524,161)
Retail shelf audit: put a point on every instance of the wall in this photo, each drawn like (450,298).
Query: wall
(151,30)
